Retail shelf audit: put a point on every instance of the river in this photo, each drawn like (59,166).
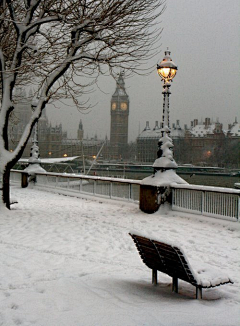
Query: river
(215,180)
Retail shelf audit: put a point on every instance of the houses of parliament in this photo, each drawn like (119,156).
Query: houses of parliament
(53,141)
(204,142)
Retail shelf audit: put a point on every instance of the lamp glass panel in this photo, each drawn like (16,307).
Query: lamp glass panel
(167,73)
(173,73)
(164,72)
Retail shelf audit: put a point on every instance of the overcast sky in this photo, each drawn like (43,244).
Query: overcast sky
(203,37)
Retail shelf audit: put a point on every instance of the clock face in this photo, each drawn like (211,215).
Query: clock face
(114,105)
(124,106)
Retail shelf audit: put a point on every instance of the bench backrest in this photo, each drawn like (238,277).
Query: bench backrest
(163,257)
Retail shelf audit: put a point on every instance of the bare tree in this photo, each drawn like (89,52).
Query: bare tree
(51,44)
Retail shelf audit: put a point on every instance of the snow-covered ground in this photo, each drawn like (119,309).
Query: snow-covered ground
(70,261)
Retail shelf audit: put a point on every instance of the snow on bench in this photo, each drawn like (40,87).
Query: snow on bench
(171,260)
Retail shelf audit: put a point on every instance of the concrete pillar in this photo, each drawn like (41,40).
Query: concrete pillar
(151,198)
(24,183)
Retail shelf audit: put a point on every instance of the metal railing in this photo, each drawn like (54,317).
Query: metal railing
(210,201)
(113,188)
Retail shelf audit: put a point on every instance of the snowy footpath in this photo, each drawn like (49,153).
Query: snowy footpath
(70,262)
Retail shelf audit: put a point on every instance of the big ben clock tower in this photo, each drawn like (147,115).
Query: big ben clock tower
(119,120)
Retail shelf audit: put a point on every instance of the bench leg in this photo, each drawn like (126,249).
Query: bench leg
(154,277)
(198,293)
(175,284)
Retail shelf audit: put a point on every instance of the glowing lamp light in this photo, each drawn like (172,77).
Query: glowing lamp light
(65,155)
(167,68)
(209,153)
(167,73)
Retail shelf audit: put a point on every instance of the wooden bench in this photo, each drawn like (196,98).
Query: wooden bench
(171,260)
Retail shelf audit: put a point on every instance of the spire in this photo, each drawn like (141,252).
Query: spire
(80,131)
(147,126)
(156,126)
(80,127)
(120,80)
(120,89)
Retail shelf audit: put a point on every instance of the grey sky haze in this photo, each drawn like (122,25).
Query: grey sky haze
(203,37)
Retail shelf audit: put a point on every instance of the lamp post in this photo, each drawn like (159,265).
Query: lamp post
(34,161)
(34,155)
(167,71)
(155,190)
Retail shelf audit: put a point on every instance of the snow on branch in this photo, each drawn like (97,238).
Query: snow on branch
(53,44)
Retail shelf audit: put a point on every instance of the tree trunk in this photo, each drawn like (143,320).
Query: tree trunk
(6,188)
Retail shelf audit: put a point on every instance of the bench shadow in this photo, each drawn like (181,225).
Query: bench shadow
(163,290)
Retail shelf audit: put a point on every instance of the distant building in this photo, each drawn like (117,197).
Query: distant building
(234,129)
(206,129)
(52,140)
(119,121)
(204,143)
(147,141)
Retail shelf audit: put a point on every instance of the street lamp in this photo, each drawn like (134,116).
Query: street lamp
(34,156)
(155,190)
(167,71)
(34,161)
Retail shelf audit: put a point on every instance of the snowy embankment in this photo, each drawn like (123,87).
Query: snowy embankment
(70,261)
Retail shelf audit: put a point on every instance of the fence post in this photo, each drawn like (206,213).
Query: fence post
(24,182)
(94,187)
(80,189)
(203,202)
(129,191)
(110,190)
(173,197)
(238,209)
